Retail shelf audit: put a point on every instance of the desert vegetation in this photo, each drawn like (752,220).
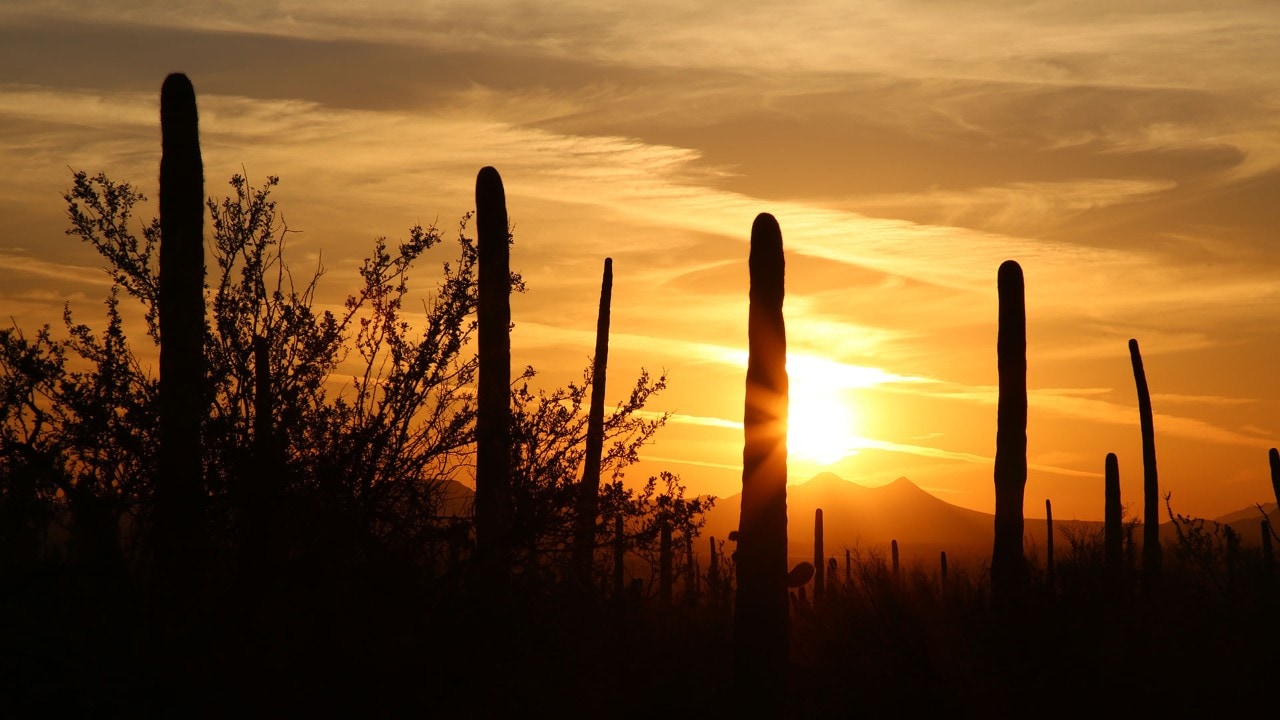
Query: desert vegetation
(259,529)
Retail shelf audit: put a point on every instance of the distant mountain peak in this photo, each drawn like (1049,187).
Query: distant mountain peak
(827,478)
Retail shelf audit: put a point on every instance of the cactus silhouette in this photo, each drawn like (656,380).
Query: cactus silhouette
(819,565)
(493,505)
(713,571)
(893,553)
(1273,456)
(1112,538)
(1008,564)
(589,490)
(760,625)
(1048,543)
(1150,481)
(179,512)
(942,562)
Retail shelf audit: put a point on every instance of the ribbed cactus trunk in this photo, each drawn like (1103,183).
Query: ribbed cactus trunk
(493,505)
(589,488)
(760,634)
(180,492)
(1008,564)
(1112,532)
(1150,480)
(1048,544)
(819,563)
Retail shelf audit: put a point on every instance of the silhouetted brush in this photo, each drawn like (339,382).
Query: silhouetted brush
(589,489)
(493,504)
(619,554)
(760,625)
(1150,481)
(665,558)
(179,495)
(713,571)
(1268,558)
(1008,564)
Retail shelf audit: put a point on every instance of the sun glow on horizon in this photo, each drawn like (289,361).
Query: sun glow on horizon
(823,425)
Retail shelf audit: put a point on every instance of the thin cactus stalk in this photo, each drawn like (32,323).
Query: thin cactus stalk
(1048,543)
(589,489)
(1150,479)
(760,632)
(179,514)
(848,567)
(1273,456)
(893,552)
(493,504)
(942,561)
(819,564)
(1008,563)
(1112,514)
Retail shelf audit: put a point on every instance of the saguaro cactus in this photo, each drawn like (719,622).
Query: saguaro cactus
(493,404)
(1048,543)
(179,514)
(761,614)
(589,489)
(893,554)
(1150,481)
(1008,564)
(819,564)
(1113,540)
(1273,456)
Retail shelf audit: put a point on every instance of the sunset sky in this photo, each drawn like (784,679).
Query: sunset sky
(1127,154)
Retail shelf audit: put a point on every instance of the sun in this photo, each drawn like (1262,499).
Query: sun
(823,425)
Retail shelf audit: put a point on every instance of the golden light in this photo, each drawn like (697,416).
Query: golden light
(823,426)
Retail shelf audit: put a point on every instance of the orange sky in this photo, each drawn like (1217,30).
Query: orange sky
(1126,154)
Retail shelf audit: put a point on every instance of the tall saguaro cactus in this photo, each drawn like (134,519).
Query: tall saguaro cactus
(819,557)
(493,507)
(760,629)
(1048,544)
(1111,517)
(179,513)
(1008,563)
(1150,480)
(1273,456)
(589,489)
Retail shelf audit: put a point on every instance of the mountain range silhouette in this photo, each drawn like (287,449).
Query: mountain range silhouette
(868,519)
